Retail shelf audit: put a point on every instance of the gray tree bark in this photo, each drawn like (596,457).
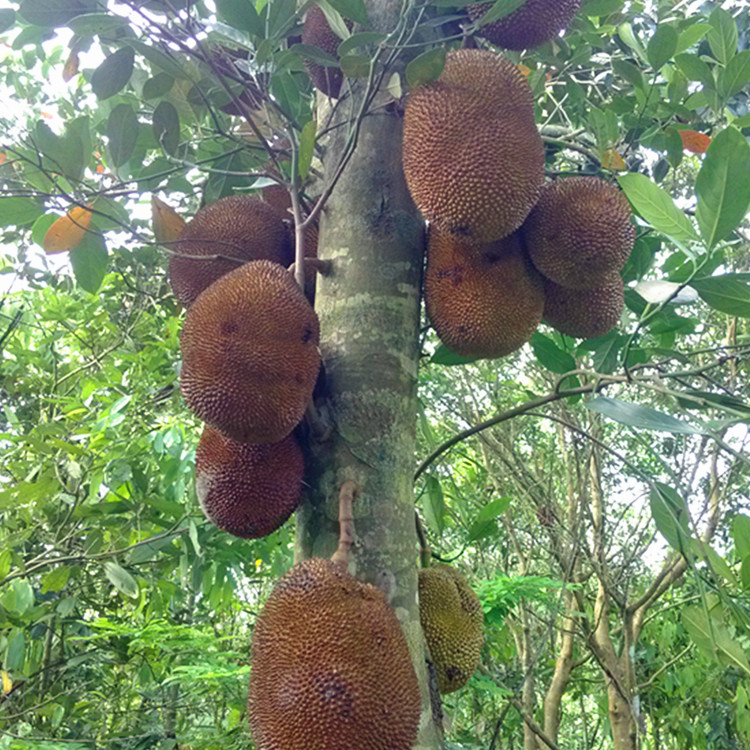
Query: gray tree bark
(368,306)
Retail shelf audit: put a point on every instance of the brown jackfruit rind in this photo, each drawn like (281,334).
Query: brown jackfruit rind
(534,23)
(318,33)
(584,313)
(238,226)
(451,617)
(485,301)
(473,158)
(248,490)
(330,666)
(250,354)
(579,233)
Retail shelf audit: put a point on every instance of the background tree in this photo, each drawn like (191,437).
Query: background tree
(552,477)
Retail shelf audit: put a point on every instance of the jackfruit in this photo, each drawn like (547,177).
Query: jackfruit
(534,23)
(451,617)
(473,158)
(238,226)
(248,490)
(485,301)
(317,33)
(330,666)
(250,354)
(579,233)
(584,313)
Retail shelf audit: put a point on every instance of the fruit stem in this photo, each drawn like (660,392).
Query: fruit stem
(347,493)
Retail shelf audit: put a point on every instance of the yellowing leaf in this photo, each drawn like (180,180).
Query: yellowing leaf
(71,66)
(68,230)
(525,69)
(694,141)
(7,682)
(611,159)
(165,221)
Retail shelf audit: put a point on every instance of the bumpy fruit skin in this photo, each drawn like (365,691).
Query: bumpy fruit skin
(317,33)
(579,233)
(250,354)
(584,313)
(330,666)
(473,158)
(485,301)
(248,490)
(238,226)
(451,617)
(534,23)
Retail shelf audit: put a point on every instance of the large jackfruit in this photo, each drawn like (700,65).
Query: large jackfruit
(451,617)
(534,23)
(485,301)
(250,354)
(330,666)
(473,158)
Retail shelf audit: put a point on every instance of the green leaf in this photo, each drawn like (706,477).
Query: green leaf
(355,66)
(695,69)
(741,536)
(157,86)
(19,211)
(736,75)
(728,293)
(148,549)
(315,54)
(166,126)
(6,559)
(434,504)
(354,10)
(56,579)
(704,551)
(67,154)
(307,147)
(162,60)
(596,8)
(92,24)
(425,67)
(642,417)
(662,45)
(122,132)
(121,579)
(692,35)
(722,36)
(500,9)
(444,356)
(670,513)
(657,207)
(722,186)
(363,39)
(550,355)
(16,651)
(89,261)
(114,73)
(53,13)
(631,73)
(240,14)
(7,19)
(713,639)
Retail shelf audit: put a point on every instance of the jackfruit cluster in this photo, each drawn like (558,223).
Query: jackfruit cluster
(533,23)
(330,666)
(451,617)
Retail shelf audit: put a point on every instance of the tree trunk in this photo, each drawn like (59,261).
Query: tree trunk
(369,315)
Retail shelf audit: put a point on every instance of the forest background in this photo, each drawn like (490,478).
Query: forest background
(595,493)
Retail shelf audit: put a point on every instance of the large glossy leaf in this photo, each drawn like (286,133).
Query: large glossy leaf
(113,74)
(722,186)
(122,133)
(499,9)
(736,75)
(728,293)
(55,12)
(425,67)
(550,355)
(713,639)
(434,504)
(166,126)
(19,211)
(662,45)
(657,207)
(444,356)
(89,260)
(121,579)
(741,535)
(240,14)
(642,417)
(722,36)
(670,513)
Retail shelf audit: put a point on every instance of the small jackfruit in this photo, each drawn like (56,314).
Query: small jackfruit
(534,23)
(250,354)
(451,617)
(579,233)
(330,666)
(473,158)
(237,227)
(484,300)
(317,33)
(584,313)
(248,490)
